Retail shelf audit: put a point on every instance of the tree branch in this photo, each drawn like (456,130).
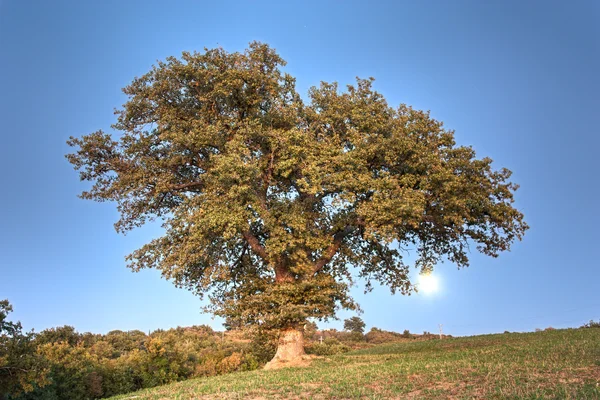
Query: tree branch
(9,369)
(333,248)
(185,185)
(255,245)
(269,172)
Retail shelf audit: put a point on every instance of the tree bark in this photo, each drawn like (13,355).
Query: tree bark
(290,347)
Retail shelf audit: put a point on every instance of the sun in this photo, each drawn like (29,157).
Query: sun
(428,283)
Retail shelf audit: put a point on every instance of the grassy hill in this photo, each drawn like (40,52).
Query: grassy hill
(562,364)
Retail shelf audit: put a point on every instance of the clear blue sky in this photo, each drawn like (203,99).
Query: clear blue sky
(517,80)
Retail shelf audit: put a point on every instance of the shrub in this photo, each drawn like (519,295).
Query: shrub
(249,363)
(209,367)
(231,363)
(379,336)
(329,347)
(263,346)
(592,324)
(356,337)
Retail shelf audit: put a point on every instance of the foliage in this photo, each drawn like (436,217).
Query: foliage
(354,324)
(406,334)
(378,336)
(329,347)
(268,202)
(592,324)
(60,334)
(310,330)
(231,323)
(263,345)
(60,363)
(21,369)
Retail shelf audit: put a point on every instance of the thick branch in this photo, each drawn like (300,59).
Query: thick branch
(185,185)
(269,172)
(333,248)
(255,245)
(9,369)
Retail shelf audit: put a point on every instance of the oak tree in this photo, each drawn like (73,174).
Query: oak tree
(272,205)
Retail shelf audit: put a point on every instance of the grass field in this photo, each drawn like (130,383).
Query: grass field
(561,364)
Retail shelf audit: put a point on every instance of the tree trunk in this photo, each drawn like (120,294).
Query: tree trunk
(290,348)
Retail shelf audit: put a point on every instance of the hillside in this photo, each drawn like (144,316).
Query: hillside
(549,364)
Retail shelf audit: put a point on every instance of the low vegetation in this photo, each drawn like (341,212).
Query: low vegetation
(561,364)
(193,362)
(61,363)
(592,324)
(64,364)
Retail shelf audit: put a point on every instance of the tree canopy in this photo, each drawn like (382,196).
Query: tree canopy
(273,205)
(354,324)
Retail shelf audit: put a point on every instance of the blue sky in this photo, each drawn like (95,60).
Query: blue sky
(516,80)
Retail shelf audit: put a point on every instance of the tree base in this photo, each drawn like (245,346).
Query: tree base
(302,361)
(290,350)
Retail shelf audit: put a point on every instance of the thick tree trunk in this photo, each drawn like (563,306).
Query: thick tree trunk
(290,348)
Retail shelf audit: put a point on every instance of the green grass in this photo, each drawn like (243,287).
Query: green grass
(561,364)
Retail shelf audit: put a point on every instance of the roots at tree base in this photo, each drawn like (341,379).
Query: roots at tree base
(290,349)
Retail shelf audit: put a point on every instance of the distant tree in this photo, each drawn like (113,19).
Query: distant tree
(406,334)
(354,324)
(60,334)
(88,338)
(268,202)
(137,337)
(70,368)
(124,342)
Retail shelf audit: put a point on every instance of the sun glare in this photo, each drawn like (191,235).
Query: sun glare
(428,283)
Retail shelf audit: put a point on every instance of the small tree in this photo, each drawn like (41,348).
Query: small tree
(355,325)
(269,203)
